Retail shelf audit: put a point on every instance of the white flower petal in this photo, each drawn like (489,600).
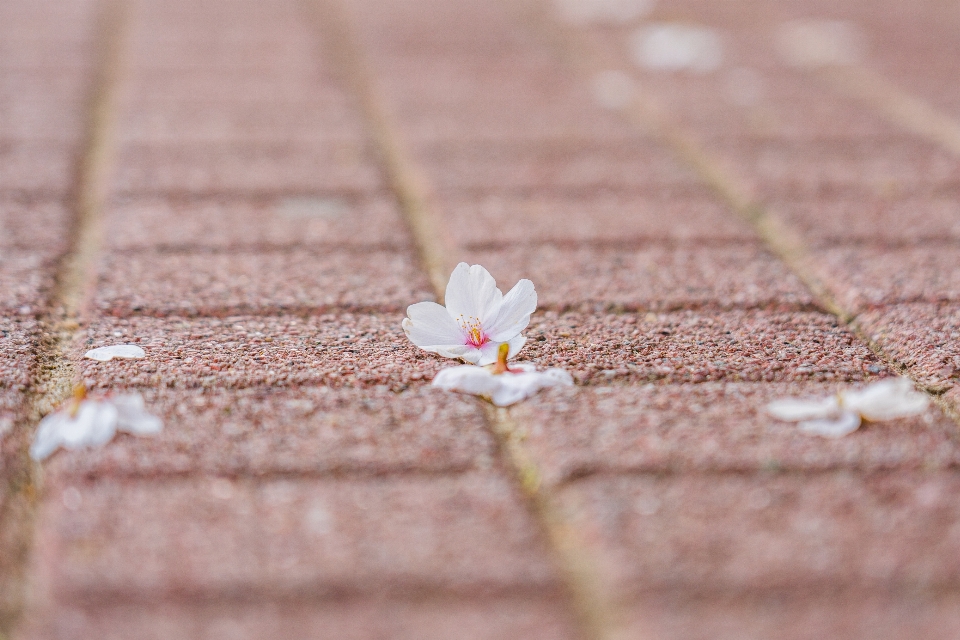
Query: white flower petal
(846,423)
(796,409)
(515,387)
(94,424)
(47,439)
(886,400)
(105,354)
(467,379)
(515,345)
(133,418)
(465,352)
(429,324)
(488,353)
(515,310)
(472,293)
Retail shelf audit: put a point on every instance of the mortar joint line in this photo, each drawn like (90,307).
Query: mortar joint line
(415,199)
(55,375)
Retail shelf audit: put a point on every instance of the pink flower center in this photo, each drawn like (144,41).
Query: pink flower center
(475,335)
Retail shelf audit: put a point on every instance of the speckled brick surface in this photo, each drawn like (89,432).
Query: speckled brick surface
(515,616)
(18,338)
(648,278)
(692,347)
(36,225)
(210,537)
(284,280)
(306,430)
(837,614)
(25,276)
(339,350)
(328,220)
(713,427)
(667,217)
(717,532)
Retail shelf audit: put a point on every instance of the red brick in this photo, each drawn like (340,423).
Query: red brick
(242,168)
(323,120)
(208,538)
(533,618)
(236,282)
(647,277)
(713,427)
(25,277)
(894,219)
(666,217)
(329,220)
(733,346)
(242,351)
(795,616)
(35,167)
(285,84)
(921,337)
(779,168)
(18,338)
(718,533)
(865,276)
(36,225)
(576,165)
(306,431)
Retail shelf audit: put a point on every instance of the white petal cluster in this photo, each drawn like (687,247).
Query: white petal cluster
(502,389)
(124,351)
(92,423)
(478,318)
(842,414)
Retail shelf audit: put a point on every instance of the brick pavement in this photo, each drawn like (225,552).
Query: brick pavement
(254,191)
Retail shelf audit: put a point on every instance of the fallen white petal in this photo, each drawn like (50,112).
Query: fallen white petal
(133,418)
(846,423)
(677,47)
(94,423)
(885,400)
(796,409)
(501,389)
(820,43)
(104,354)
(515,387)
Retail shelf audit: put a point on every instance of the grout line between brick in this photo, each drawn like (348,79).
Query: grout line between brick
(55,375)
(783,240)
(409,185)
(413,192)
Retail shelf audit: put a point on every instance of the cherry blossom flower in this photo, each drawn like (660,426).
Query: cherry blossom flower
(83,422)
(478,318)
(500,383)
(125,351)
(839,415)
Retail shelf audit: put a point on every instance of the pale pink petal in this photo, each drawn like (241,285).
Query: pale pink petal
(846,423)
(515,345)
(514,315)
(796,409)
(133,418)
(515,387)
(467,379)
(465,352)
(125,351)
(886,400)
(472,293)
(428,324)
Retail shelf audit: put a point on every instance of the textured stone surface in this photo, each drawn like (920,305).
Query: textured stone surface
(712,427)
(327,220)
(647,278)
(795,616)
(281,280)
(210,537)
(668,217)
(306,431)
(718,532)
(364,619)
(692,347)
(18,340)
(25,277)
(339,350)
(923,337)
